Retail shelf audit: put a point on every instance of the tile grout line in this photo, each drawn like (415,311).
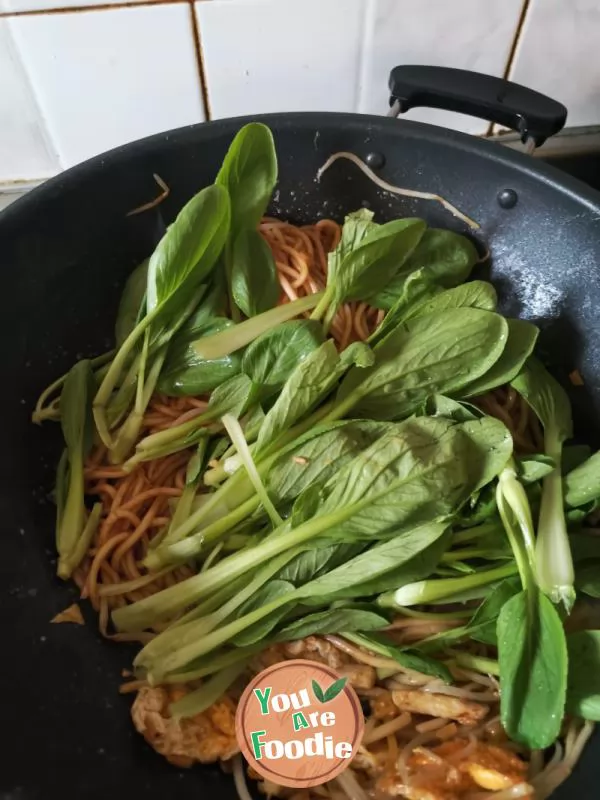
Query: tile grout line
(200,61)
(100,6)
(512,53)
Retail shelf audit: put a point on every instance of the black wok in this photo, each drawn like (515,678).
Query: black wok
(65,250)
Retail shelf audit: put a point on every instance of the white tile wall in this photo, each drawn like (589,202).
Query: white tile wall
(277,55)
(24,147)
(558,54)
(78,77)
(49,5)
(107,77)
(446,34)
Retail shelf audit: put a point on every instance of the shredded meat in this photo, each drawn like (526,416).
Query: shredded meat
(416,701)
(316,649)
(206,737)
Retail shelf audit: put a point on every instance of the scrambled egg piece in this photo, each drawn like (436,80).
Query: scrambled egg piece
(206,737)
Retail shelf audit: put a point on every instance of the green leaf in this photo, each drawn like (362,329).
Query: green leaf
(185,373)
(223,344)
(475,294)
(445,257)
(428,355)
(254,282)
(318,692)
(356,226)
(77,426)
(587,579)
(406,657)
(272,357)
(583,686)
(582,485)
(387,485)
(482,626)
(438,405)
(249,173)
(75,419)
(546,397)
(361,576)
(532,654)
(553,561)
(309,384)
(131,303)
(369,267)
(209,692)
(533,468)
(315,458)
(188,250)
(522,337)
(274,590)
(316,561)
(336,687)
(335,620)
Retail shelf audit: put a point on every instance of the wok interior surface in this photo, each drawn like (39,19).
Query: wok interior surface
(65,251)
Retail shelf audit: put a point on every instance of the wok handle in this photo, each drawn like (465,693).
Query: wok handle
(533,115)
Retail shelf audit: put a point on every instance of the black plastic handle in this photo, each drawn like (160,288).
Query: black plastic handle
(530,113)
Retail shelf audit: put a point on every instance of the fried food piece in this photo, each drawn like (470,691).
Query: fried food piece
(205,737)
(383,706)
(453,771)
(467,712)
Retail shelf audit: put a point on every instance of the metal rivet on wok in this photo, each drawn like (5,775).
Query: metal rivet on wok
(507,198)
(375,160)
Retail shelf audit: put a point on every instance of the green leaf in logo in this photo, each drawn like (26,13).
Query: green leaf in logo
(318,692)
(335,688)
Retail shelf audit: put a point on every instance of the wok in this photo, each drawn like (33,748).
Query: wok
(65,250)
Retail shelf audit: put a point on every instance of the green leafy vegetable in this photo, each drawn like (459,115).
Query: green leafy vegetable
(583,687)
(434,354)
(445,258)
(131,304)
(254,282)
(582,485)
(369,266)
(77,428)
(271,358)
(185,373)
(410,659)
(532,654)
(475,294)
(554,563)
(333,620)
(249,174)
(482,626)
(183,258)
(223,344)
(522,337)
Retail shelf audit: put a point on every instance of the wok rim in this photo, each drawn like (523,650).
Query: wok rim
(487,150)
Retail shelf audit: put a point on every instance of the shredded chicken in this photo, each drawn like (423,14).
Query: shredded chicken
(444,706)
(206,737)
